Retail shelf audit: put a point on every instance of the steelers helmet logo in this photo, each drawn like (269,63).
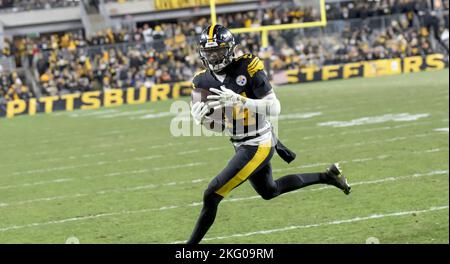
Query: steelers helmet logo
(241,80)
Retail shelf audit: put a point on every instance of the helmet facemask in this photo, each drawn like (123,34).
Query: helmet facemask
(217,57)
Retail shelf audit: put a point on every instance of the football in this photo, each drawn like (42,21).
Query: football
(201,95)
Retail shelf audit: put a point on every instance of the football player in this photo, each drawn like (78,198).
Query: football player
(242,85)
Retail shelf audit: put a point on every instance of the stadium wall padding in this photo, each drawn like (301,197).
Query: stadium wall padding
(366,69)
(95,99)
(160,92)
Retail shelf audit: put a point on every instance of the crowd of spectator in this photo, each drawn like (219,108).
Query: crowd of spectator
(6,50)
(12,87)
(166,52)
(132,66)
(371,8)
(25,5)
(354,44)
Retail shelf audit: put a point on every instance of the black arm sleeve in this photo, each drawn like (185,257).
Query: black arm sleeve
(261,84)
(195,82)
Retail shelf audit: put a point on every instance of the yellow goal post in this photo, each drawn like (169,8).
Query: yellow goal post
(265,29)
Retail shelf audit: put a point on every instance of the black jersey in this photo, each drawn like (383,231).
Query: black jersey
(245,76)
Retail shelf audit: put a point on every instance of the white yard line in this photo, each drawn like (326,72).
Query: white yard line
(102,163)
(144,141)
(358,131)
(308,109)
(4,187)
(389,179)
(335,222)
(355,106)
(221,148)
(80,113)
(103,111)
(281,131)
(445,129)
(433,150)
(154,116)
(297,116)
(106,175)
(63,136)
(127,113)
(164,208)
(152,186)
(110,112)
(365,143)
(188,152)
(102,192)
(381,157)
(370,120)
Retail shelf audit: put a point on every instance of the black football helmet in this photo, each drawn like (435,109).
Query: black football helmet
(216,49)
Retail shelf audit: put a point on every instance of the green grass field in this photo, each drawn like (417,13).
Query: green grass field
(118,176)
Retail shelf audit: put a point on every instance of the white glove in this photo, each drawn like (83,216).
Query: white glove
(199,111)
(269,105)
(225,97)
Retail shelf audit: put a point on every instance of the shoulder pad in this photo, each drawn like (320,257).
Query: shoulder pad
(252,63)
(254,66)
(245,57)
(199,73)
(196,79)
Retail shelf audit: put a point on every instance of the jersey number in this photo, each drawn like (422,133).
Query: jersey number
(242,115)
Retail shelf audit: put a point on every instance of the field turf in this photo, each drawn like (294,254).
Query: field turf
(118,176)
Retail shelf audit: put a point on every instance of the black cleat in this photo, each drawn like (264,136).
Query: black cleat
(336,178)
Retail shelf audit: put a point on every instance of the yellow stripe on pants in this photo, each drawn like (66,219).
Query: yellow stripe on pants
(260,156)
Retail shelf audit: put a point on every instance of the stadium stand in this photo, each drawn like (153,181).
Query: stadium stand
(165,52)
(12,87)
(26,5)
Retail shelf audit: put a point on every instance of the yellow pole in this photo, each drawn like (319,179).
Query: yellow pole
(212,4)
(321,23)
(323,12)
(279,27)
(265,29)
(265,38)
